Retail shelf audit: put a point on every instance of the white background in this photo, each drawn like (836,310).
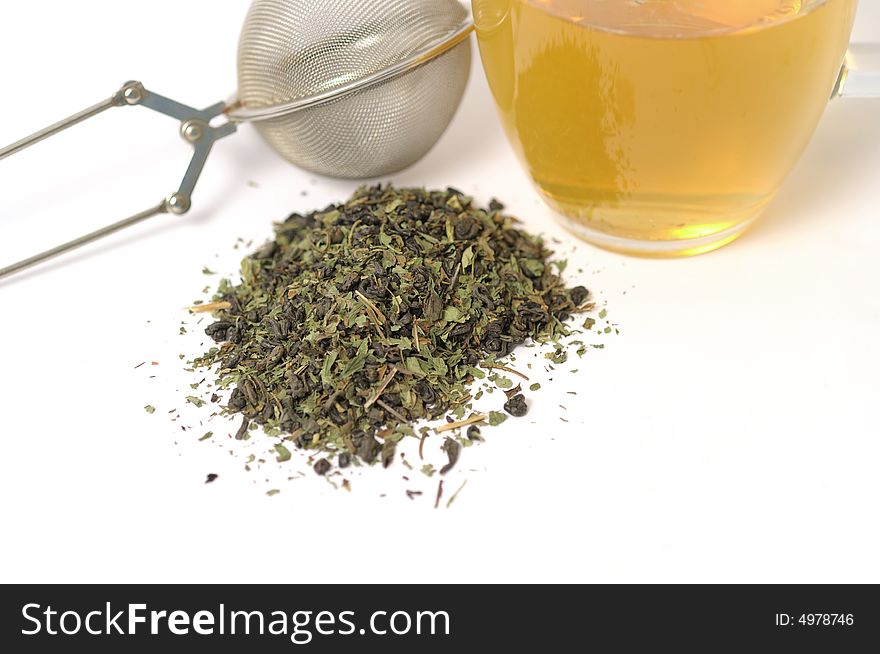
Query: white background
(730,433)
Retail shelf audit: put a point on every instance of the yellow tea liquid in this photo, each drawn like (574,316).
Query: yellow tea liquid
(661,126)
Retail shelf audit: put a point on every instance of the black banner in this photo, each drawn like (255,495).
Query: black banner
(283,618)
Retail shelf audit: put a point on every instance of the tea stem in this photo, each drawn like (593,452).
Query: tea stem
(455,494)
(473,420)
(211,307)
(390,409)
(495,366)
(381,389)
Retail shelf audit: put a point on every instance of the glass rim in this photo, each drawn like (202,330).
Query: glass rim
(808,7)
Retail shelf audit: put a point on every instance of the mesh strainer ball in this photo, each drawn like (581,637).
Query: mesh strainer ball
(352,88)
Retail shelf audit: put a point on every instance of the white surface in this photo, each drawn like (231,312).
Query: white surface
(728,434)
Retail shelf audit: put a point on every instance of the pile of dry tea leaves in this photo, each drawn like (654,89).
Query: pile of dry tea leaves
(359,320)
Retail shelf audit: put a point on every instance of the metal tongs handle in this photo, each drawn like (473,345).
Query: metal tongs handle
(195,128)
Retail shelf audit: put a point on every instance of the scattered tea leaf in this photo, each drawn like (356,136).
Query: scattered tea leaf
(455,494)
(517,406)
(496,418)
(242,433)
(453,450)
(513,391)
(439,494)
(283,454)
(474,434)
(503,382)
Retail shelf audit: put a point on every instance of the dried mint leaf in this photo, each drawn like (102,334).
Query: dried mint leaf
(496,418)
(283,454)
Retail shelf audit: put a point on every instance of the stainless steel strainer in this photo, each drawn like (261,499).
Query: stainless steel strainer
(345,88)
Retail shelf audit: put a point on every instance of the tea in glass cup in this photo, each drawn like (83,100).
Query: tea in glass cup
(661,127)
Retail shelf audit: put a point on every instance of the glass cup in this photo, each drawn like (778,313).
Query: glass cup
(664,127)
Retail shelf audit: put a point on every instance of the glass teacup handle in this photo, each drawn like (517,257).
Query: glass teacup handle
(860,75)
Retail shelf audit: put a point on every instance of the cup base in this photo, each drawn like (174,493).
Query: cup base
(656,249)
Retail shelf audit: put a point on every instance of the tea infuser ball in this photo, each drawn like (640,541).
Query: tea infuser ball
(344,88)
(291,50)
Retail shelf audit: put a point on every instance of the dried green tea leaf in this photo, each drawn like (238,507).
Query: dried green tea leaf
(327,368)
(503,382)
(356,364)
(242,433)
(283,454)
(496,418)
(439,494)
(453,450)
(517,406)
